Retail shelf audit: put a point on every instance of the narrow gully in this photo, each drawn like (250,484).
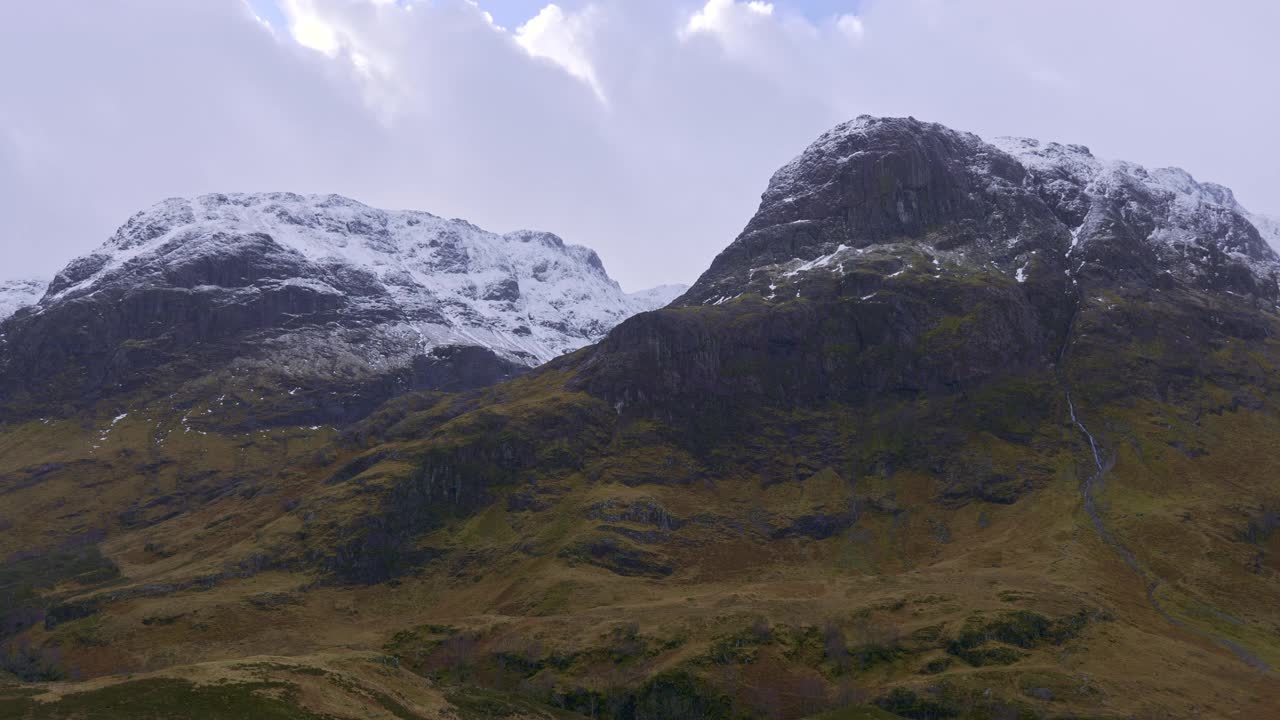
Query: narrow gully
(1087,491)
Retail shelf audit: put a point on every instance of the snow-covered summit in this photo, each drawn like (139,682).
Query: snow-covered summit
(1028,208)
(17,294)
(424,281)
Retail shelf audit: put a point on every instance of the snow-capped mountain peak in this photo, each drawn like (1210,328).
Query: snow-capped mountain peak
(17,294)
(1026,207)
(659,296)
(526,295)
(324,303)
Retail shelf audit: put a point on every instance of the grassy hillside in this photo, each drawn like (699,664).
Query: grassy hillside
(568,544)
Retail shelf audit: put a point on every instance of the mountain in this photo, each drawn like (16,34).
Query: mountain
(1017,203)
(314,293)
(17,294)
(953,428)
(657,297)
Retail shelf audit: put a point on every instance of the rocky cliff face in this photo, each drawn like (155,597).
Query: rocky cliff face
(317,290)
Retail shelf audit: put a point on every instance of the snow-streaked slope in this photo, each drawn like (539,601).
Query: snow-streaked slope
(17,294)
(1269,227)
(429,281)
(1180,210)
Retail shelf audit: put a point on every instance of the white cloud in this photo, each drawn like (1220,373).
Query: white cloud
(431,105)
(564,39)
(851,25)
(727,18)
(719,16)
(310,28)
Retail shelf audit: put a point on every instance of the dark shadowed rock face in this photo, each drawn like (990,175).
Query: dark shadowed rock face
(831,347)
(304,293)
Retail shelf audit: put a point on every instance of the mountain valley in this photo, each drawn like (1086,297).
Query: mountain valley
(953,428)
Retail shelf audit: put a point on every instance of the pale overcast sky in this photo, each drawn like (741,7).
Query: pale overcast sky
(646,129)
